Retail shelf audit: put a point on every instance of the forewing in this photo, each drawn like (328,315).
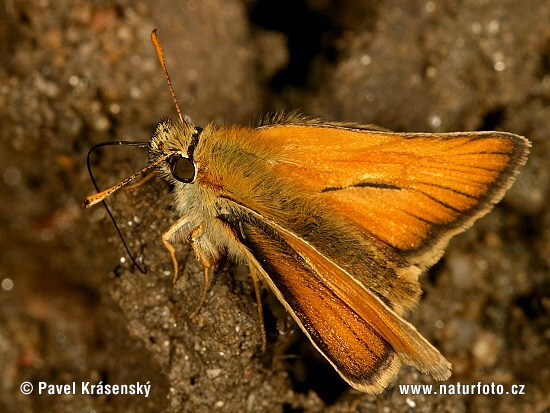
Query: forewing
(412,192)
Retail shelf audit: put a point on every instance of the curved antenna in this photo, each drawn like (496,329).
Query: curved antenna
(160,55)
(100,196)
(142,269)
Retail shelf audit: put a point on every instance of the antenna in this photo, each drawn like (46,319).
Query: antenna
(160,55)
(100,196)
(142,268)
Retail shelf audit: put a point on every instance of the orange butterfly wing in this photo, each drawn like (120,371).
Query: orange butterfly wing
(348,324)
(410,191)
(360,353)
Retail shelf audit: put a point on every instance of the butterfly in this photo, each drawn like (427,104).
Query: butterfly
(339,219)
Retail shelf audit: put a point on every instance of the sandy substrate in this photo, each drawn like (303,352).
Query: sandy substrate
(73,309)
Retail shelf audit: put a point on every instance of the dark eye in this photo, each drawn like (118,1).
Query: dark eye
(182,169)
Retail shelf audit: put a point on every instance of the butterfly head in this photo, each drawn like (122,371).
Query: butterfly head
(175,141)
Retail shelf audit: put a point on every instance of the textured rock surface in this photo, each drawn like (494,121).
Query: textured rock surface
(76,73)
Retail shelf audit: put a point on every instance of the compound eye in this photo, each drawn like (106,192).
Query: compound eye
(182,169)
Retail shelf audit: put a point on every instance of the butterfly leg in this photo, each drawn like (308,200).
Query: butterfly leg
(142,181)
(207,264)
(256,281)
(167,237)
(206,285)
(193,236)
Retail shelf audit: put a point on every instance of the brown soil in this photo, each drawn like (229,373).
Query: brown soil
(76,73)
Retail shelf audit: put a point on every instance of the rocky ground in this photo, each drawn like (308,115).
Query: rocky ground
(72,307)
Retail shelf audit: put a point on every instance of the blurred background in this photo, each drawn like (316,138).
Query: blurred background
(72,306)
